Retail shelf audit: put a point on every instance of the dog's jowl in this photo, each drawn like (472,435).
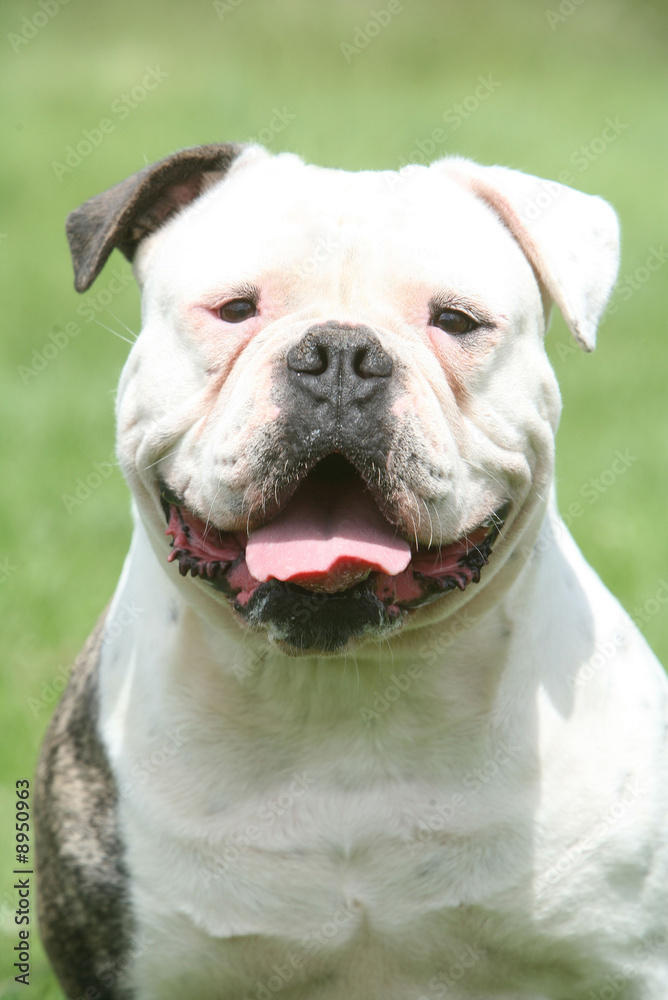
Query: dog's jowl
(376,731)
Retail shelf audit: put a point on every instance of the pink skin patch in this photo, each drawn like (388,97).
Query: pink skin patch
(200,540)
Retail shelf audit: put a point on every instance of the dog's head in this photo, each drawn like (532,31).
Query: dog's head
(339,404)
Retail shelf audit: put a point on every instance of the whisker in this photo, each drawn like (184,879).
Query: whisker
(168,455)
(389,646)
(480,468)
(124,325)
(357,669)
(208,516)
(431,525)
(196,500)
(468,542)
(250,509)
(119,335)
(440,526)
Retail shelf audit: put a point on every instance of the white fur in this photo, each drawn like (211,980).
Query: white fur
(498,828)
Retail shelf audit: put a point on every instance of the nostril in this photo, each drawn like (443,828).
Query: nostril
(309,358)
(371,361)
(359,363)
(323,358)
(340,352)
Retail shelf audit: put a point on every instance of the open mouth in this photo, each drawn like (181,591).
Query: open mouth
(329,550)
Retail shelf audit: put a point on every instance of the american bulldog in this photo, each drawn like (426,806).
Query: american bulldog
(360,722)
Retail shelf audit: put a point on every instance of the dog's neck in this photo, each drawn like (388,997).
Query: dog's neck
(166,664)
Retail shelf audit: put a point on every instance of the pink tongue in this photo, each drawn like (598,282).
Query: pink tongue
(328,538)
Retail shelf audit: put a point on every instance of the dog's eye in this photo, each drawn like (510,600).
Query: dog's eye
(237,310)
(453,321)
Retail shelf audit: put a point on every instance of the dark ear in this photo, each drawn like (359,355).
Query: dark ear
(129,211)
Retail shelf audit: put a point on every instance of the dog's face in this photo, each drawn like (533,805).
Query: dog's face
(339,406)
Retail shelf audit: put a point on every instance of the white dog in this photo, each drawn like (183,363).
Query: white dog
(360,722)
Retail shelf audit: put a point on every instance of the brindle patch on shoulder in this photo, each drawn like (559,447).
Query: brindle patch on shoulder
(83,906)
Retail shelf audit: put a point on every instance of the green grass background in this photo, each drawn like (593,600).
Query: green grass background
(557,84)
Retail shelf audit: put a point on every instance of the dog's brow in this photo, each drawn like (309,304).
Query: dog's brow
(233,290)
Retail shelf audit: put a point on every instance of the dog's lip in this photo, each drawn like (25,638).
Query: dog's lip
(219,558)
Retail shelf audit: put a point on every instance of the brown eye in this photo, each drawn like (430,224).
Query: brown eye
(237,310)
(454,322)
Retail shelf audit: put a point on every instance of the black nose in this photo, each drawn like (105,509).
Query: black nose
(337,398)
(341,365)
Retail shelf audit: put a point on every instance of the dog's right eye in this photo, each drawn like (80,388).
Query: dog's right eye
(453,321)
(237,310)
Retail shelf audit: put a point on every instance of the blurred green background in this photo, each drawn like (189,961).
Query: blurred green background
(172,74)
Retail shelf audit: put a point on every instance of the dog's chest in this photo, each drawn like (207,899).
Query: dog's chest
(309,873)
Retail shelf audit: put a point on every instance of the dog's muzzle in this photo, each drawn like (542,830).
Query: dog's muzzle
(329,563)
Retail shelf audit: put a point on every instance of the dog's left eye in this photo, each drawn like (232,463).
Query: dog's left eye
(237,310)
(453,321)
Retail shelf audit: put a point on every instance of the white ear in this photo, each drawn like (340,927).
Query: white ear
(571,239)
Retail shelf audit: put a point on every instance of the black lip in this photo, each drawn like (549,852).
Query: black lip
(320,623)
(309,621)
(474,560)
(304,620)
(169,496)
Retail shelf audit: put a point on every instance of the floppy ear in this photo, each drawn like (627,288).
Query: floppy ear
(126,213)
(571,239)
